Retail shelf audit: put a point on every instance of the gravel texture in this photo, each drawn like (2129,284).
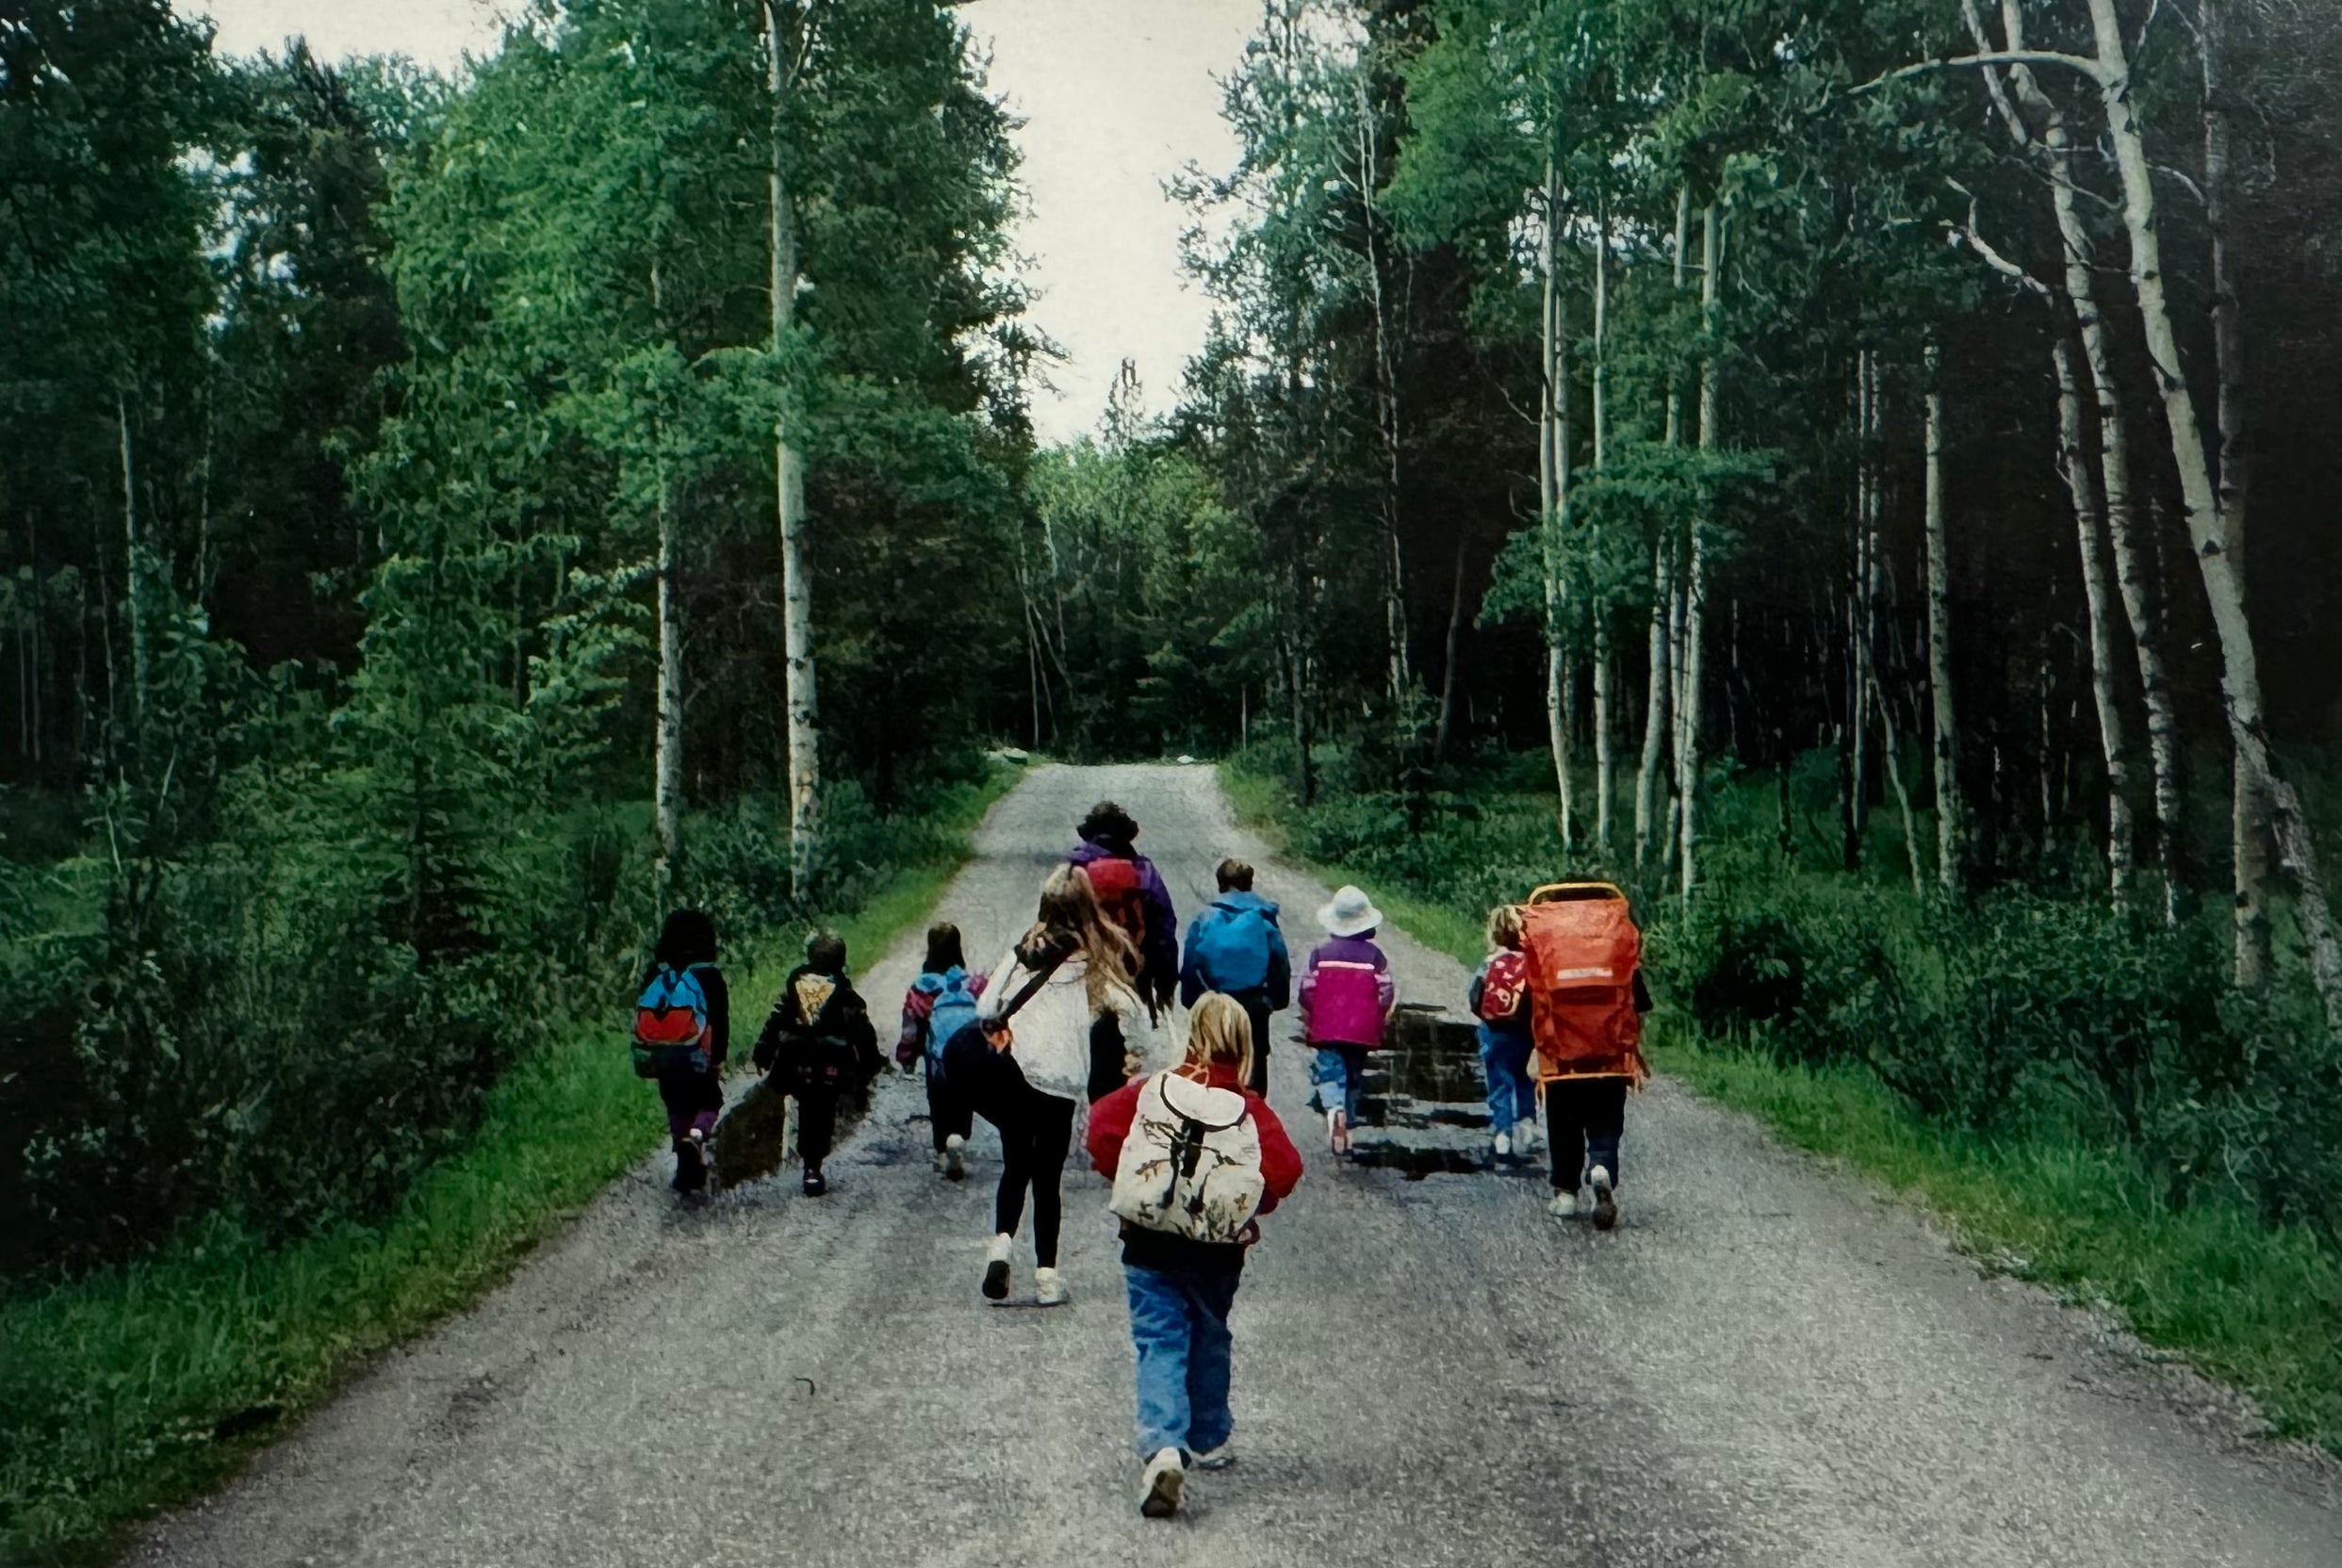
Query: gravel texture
(1765,1364)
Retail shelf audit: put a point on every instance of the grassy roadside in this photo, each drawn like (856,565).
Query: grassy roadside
(2257,1307)
(134,1389)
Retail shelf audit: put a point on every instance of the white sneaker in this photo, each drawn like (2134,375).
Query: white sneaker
(1605,1205)
(954,1158)
(943,1162)
(1525,1137)
(1564,1206)
(1504,1146)
(996,1268)
(1048,1290)
(1158,1487)
(1215,1459)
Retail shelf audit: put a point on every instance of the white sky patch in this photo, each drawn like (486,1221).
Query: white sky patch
(1118,96)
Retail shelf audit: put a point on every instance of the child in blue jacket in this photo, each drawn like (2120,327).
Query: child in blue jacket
(1234,948)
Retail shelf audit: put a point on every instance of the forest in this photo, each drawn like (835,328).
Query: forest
(1857,472)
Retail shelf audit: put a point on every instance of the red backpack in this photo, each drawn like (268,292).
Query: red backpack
(1504,990)
(1121,894)
(1583,949)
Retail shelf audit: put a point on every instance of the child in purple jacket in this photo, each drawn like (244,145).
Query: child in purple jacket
(1345,998)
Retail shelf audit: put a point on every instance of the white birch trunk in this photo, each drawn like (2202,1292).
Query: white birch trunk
(1951,813)
(2113,741)
(804,714)
(2221,572)
(1656,707)
(1696,568)
(1605,749)
(1553,489)
(1893,767)
(669,763)
(134,570)
(1387,411)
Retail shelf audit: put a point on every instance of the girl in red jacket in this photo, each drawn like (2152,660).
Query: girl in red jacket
(1181,1288)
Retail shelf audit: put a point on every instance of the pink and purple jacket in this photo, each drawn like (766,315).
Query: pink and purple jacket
(1346,993)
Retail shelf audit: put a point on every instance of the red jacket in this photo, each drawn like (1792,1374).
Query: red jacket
(1280,1172)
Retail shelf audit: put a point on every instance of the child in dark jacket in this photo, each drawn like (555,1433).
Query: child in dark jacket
(1182,1289)
(817,1044)
(692,1090)
(1235,949)
(1347,995)
(939,1002)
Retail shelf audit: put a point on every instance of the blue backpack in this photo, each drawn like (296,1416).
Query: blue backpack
(954,1010)
(1231,946)
(670,1023)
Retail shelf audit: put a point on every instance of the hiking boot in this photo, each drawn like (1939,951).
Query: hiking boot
(691,1164)
(1158,1487)
(1214,1459)
(1605,1203)
(996,1268)
(815,1183)
(1564,1206)
(1048,1289)
(954,1158)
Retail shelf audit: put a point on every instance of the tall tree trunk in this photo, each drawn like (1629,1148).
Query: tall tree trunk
(1648,786)
(2140,612)
(1894,768)
(134,569)
(1951,827)
(1554,490)
(1386,412)
(1447,675)
(671,718)
(789,478)
(1605,719)
(2114,743)
(2221,571)
(1865,597)
(1696,568)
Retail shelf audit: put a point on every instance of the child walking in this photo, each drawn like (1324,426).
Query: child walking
(1196,1159)
(1500,999)
(1234,948)
(940,1002)
(691,1080)
(1347,995)
(817,1044)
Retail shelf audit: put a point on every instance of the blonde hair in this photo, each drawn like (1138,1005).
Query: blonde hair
(1221,1034)
(1071,920)
(1506,926)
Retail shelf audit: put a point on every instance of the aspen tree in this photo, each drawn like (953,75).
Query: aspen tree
(804,714)
(1951,825)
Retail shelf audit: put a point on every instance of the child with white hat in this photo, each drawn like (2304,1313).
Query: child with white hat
(1346,997)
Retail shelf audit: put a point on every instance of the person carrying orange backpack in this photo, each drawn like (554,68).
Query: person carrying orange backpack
(1586,1002)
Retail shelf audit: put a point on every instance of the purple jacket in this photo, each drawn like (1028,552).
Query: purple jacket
(1346,993)
(1158,950)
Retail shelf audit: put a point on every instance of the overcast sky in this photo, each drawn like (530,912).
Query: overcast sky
(1117,95)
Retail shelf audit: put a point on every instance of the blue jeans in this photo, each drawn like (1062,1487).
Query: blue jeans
(1179,1325)
(1337,1076)
(1512,1093)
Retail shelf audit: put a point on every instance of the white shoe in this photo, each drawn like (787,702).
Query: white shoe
(1048,1290)
(996,1268)
(943,1162)
(1605,1206)
(954,1157)
(1564,1206)
(1525,1137)
(1504,1146)
(1215,1459)
(1158,1487)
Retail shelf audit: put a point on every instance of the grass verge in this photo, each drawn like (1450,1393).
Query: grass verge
(129,1391)
(2259,1308)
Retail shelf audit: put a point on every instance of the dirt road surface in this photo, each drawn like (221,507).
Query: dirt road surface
(1765,1365)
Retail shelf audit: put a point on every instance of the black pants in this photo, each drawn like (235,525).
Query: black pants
(1036,1135)
(947,1110)
(1255,1005)
(1585,1117)
(817,1121)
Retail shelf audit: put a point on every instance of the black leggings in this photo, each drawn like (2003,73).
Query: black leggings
(947,1111)
(1036,1135)
(1585,1117)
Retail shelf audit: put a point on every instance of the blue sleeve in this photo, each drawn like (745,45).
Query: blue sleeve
(1280,971)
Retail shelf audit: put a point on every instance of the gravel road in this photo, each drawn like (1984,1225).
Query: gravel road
(1765,1365)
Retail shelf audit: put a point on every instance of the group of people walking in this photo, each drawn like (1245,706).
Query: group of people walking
(1077,1016)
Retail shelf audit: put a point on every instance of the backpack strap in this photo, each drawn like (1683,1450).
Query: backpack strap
(1032,987)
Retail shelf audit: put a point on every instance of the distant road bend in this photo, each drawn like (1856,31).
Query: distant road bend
(1765,1365)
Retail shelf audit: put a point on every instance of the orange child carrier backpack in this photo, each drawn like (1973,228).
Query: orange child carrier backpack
(1584,948)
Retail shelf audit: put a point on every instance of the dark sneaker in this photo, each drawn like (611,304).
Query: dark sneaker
(815,1184)
(691,1165)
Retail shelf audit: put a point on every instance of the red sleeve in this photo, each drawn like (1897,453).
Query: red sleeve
(976,983)
(917,1003)
(1280,1161)
(1109,1124)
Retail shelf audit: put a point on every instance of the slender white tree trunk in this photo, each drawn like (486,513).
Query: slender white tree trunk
(670,720)
(1865,608)
(132,569)
(1950,809)
(1893,767)
(2114,743)
(1605,676)
(1647,783)
(804,711)
(1696,566)
(1553,493)
(2221,571)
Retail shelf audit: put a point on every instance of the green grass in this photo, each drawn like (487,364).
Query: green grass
(134,1389)
(2258,1307)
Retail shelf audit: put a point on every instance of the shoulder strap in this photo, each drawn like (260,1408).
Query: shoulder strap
(1032,987)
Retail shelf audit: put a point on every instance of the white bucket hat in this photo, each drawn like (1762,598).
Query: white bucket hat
(1351,914)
